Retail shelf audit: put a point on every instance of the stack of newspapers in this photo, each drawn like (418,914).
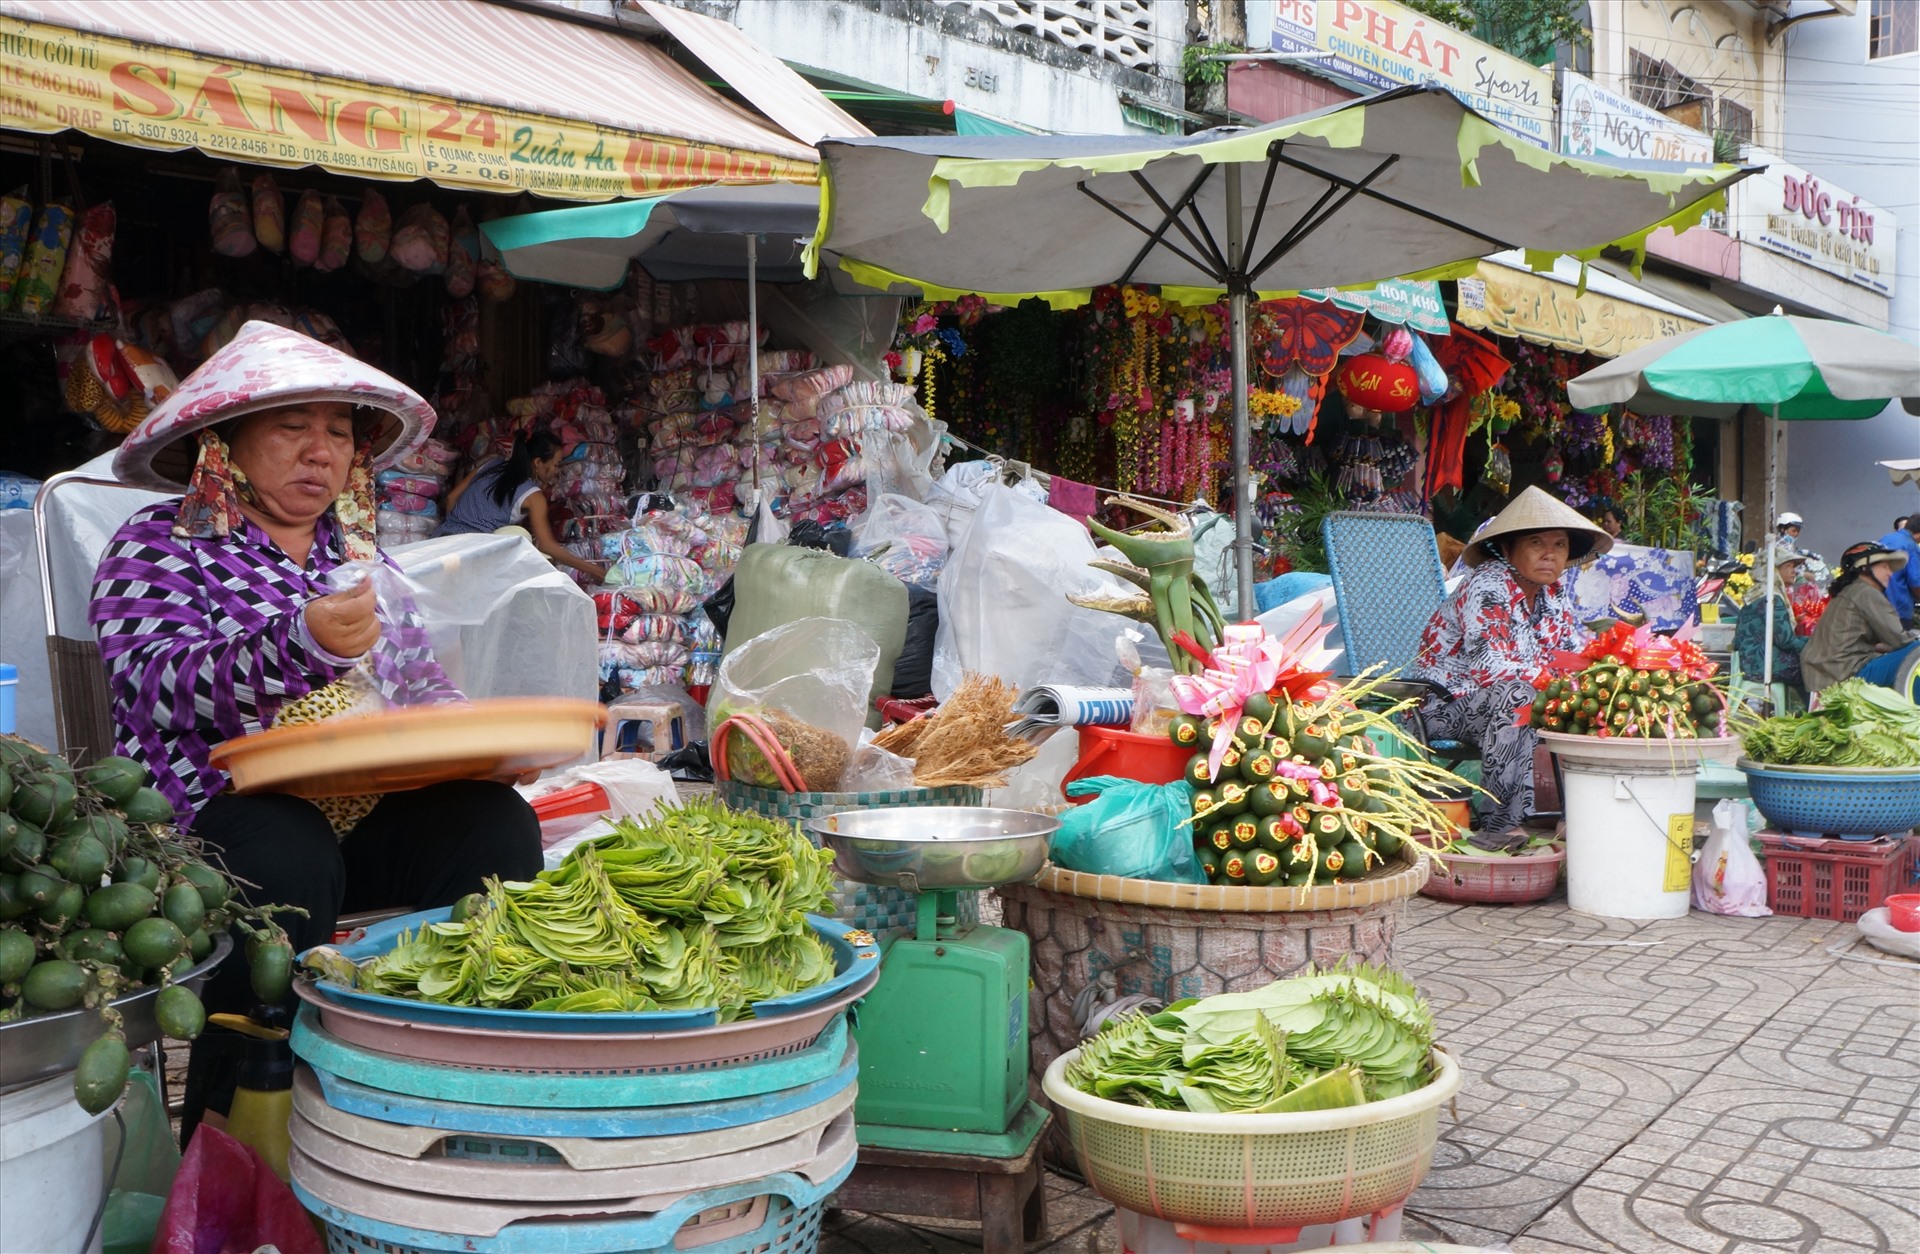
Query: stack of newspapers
(1046,709)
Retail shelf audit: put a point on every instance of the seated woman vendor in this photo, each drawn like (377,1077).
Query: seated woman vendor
(215,620)
(1859,635)
(512,492)
(1487,642)
(1750,629)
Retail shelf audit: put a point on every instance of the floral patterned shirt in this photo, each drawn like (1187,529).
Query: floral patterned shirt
(204,640)
(1486,632)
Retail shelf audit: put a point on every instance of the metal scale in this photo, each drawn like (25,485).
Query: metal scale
(943,1034)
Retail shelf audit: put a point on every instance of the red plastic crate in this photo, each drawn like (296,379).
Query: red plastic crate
(1835,879)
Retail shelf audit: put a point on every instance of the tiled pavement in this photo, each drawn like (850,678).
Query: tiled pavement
(1726,1086)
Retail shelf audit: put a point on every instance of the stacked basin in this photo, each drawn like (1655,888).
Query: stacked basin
(438,1128)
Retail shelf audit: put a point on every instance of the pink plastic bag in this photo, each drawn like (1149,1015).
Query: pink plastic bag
(226,1200)
(1727,879)
(309,221)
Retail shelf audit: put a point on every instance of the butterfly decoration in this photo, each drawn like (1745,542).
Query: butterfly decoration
(1303,347)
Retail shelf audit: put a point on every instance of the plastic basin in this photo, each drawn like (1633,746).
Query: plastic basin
(1258,1172)
(1829,801)
(1903,912)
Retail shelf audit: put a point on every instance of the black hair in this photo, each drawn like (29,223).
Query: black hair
(519,467)
(1909,524)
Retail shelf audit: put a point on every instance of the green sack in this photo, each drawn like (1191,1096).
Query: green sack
(776,584)
(147,1167)
(1129,829)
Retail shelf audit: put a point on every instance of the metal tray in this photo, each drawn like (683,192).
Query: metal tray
(47,1045)
(855,955)
(931,847)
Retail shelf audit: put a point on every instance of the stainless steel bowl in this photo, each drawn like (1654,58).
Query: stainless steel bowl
(926,847)
(48,1045)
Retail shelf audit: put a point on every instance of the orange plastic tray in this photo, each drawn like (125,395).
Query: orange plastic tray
(412,748)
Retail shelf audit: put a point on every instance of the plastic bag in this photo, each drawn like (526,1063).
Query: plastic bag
(874,769)
(148,1165)
(1129,829)
(818,670)
(903,537)
(1727,879)
(227,1198)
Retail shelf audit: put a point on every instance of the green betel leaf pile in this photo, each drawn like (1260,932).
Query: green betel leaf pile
(697,907)
(1858,724)
(1313,1042)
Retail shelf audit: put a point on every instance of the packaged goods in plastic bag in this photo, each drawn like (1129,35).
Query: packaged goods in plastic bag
(304,230)
(229,220)
(1129,829)
(660,583)
(777,583)
(902,537)
(1003,601)
(16,222)
(336,238)
(810,679)
(373,227)
(39,279)
(873,769)
(269,214)
(83,284)
(1728,879)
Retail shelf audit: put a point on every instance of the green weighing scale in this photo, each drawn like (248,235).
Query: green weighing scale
(943,1034)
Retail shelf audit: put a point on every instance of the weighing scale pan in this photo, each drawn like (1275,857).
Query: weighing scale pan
(402,749)
(921,848)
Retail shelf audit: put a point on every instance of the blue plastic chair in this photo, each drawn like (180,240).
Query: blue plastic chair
(1387,582)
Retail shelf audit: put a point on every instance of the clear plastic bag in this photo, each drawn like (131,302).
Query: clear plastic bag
(817,671)
(873,769)
(1129,829)
(902,537)
(1728,879)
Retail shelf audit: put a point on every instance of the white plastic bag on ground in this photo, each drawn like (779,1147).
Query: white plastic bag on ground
(1003,601)
(1728,879)
(634,787)
(1883,935)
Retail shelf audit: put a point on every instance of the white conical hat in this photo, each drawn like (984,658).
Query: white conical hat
(1534,510)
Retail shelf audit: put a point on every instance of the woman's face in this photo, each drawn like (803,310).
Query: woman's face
(1790,572)
(1610,523)
(296,458)
(546,472)
(1882,572)
(1540,557)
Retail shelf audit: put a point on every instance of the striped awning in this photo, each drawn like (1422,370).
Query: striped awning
(470,95)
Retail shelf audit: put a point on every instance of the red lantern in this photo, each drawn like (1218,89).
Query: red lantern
(1371,380)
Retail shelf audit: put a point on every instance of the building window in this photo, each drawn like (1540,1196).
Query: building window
(1894,28)
(1735,122)
(1658,85)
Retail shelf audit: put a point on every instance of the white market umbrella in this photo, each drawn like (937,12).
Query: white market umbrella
(1412,183)
(1790,368)
(1904,470)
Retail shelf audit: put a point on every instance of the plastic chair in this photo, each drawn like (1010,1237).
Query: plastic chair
(1387,582)
(1774,698)
(82,710)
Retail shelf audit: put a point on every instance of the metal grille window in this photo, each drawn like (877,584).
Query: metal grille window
(1736,121)
(1658,85)
(1894,28)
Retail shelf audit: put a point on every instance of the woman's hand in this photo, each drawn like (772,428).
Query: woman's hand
(344,624)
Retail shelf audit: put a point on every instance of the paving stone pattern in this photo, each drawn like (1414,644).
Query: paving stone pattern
(1727,1086)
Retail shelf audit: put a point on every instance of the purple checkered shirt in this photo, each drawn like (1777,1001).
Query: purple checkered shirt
(204,640)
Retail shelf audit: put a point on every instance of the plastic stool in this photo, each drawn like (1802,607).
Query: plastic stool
(1006,1196)
(656,717)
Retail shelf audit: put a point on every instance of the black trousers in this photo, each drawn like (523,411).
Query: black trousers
(419,849)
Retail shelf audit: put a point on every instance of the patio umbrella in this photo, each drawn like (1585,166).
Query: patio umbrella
(701,233)
(1903,470)
(1792,368)
(1419,184)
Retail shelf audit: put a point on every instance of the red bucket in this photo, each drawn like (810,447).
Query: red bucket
(1130,755)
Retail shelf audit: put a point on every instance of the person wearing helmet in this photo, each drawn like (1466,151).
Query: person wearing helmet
(1750,628)
(1788,527)
(1858,635)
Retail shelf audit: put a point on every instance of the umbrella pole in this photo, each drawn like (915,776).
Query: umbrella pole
(1773,538)
(1242,436)
(753,354)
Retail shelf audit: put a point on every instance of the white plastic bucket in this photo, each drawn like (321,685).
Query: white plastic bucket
(1629,807)
(51,1168)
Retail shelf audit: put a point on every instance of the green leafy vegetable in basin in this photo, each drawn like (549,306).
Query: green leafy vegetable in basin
(1313,1042)
(1859,724)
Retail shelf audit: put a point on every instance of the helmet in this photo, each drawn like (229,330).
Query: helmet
(1867,553)
(1790,519)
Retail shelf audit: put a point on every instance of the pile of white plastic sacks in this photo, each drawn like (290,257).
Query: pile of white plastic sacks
(659,572)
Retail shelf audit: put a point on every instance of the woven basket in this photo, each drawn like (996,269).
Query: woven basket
(869,906)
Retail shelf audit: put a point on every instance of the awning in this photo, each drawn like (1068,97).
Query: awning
(474,96)
(765,80)
(1610,318)
(694,234)
(1406,302)
(1704,304)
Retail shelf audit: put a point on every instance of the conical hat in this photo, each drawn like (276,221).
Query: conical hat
(264,367)
(1534,510)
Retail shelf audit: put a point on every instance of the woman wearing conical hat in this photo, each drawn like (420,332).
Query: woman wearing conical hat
(1489,640)
(217,617)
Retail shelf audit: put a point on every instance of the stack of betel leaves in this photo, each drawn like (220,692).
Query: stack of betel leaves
(1302,795)
(1630,682)
(1312,1042)
(1858,724)
(100,897)
(696,907)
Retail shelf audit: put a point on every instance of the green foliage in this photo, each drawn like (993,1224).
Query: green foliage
(1664,513)
(1858,724)
(1195,67)
(1528,29)
(1296,532)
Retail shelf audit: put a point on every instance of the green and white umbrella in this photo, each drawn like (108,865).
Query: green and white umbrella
(1410,183)
(1789,368)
